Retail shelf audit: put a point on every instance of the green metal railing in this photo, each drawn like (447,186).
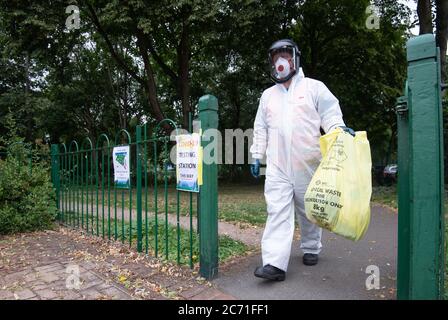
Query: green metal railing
(88,199)
(161,226)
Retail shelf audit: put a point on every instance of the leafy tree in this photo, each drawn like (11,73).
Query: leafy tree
(364,68)
(27,198)
(134,61)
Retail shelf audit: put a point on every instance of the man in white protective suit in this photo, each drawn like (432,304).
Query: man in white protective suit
(287,129)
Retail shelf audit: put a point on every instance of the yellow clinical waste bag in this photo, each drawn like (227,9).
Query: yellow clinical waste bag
(338,196)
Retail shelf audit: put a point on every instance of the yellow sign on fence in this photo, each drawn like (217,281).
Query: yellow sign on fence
(189,162)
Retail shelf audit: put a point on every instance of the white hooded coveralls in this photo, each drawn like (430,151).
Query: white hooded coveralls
(287,129)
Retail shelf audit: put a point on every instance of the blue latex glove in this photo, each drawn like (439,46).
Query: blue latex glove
(255,168)
(348,130)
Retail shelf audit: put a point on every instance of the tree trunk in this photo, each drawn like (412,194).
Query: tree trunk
(125,100)
(149,84)
(312,67)
(442,33)
(392,139)
(183,53)
(122,113)
(424,16)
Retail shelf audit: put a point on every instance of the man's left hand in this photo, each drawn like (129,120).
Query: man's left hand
(348,130)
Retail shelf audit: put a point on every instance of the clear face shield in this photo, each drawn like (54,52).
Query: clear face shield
(283,63)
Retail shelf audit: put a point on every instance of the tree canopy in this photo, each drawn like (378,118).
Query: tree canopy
(137,61)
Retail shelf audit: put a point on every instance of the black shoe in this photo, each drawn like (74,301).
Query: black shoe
(270,272)
(310,259)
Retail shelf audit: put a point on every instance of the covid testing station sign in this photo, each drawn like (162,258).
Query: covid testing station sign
(189,162)
(122,164)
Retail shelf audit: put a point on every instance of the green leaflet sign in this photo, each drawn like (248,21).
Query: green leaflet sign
(122,163)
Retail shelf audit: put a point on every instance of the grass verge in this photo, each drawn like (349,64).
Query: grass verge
(236,203)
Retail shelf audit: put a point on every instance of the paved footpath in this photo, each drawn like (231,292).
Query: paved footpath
(340,273)
(42,266)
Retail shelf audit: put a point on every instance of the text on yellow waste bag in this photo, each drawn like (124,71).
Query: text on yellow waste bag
(338,196)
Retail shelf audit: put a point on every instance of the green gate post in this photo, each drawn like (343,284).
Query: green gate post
(139,188)
(403,198)
(420,182)
(55,172)
(208,202)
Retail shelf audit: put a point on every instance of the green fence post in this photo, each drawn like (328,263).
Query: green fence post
(208,233)
(55,172)
(139,187)
(403,256)
(421,180)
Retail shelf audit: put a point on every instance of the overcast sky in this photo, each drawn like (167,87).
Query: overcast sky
(413,5)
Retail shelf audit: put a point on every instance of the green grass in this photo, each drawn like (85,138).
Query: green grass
(252,213)
(242,203)
(236,203)
(385,195)
(181,248)
(388,196)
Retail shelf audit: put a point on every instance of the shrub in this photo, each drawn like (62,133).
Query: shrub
(27,198)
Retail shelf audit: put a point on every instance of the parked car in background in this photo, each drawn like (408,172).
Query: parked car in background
(390,174)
